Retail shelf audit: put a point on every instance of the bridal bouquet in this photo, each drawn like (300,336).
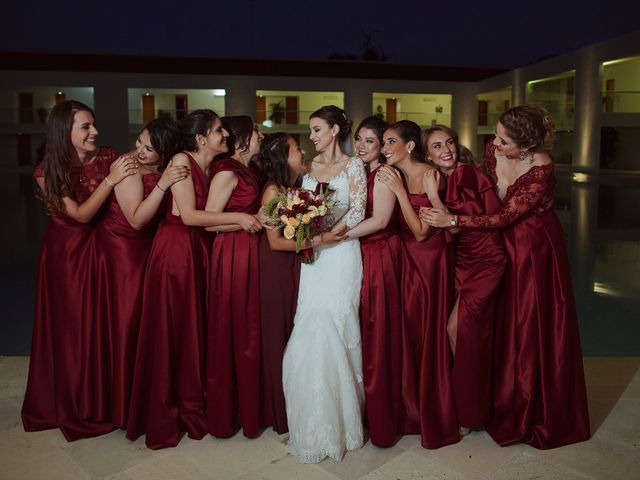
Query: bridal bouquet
(302,213)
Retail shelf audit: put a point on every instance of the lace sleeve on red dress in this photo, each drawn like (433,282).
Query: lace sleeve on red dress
(530,193)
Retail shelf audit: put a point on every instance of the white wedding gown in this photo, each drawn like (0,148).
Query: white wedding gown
(322,366)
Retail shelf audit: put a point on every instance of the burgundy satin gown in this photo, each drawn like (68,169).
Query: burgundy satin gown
(118,260)
(233,357)
(427,298)
(479,268)
(57,390)
(279,279)
(381,327)
(168,397)
(539,394)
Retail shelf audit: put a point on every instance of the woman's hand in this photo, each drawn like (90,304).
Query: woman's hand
(335,235)
(249,223)
(435,217)
(431,182)
(173,174)
(121,168)
(391,178)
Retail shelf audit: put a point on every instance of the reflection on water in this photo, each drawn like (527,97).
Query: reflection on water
(599,215)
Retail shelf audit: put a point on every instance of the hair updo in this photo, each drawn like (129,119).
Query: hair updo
(198,122)
(529,127)
(334,116)
(410,131)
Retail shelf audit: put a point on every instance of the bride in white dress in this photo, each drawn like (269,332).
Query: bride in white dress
(322,366)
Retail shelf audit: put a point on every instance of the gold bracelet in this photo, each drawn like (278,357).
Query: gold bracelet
(161,189)
(109,182)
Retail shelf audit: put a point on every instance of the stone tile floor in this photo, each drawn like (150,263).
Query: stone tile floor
(613,453)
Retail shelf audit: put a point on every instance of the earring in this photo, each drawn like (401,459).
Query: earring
(522,155)
(333,134)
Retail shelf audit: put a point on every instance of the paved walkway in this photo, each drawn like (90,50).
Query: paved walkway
(613,452)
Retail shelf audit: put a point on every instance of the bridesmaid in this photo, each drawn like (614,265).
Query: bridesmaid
(539,394)
(282,162)
(76,178)
(380,306)
(121,245)
(427,293)
(168,395)
(479,267)
(233,318)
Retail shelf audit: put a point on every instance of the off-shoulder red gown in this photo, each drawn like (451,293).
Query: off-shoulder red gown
(118,261)
(279,278)
(539,394)
(479,268)
(381,327)
(167,397)
(427,298)
(57,390)
(233,357)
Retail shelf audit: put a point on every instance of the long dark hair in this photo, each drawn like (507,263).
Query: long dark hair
(240,129)
(198,122)
(165,139)
(273,158)
(60,153)
(378,126)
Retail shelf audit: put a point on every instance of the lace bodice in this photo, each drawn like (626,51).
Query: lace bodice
(530,194)
(351,191)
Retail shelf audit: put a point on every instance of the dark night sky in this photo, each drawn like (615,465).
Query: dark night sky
(492,34)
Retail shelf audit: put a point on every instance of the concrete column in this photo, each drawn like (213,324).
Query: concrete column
(582,237)
(240,97)
(519,88)
(112,114)
(358,103)
(464,116)
(588,111)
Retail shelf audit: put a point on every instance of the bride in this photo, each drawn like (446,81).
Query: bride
(322,366)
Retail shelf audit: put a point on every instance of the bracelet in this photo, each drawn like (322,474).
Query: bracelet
(109,182)
(161,189)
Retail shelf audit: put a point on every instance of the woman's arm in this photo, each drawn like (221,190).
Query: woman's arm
(184,197)
(433,182)
(357,195)
(392,178)
(84,212)
(524,201)
(130,195)
(384,202)
(220,191)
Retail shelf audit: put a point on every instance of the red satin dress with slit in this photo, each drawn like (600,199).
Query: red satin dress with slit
(57,394)
(381,327)
(479,268)
(234,347)
(167,397)
(118,261)
(427,298)
(539,394)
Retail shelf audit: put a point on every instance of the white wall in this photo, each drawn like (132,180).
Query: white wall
(417,107)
